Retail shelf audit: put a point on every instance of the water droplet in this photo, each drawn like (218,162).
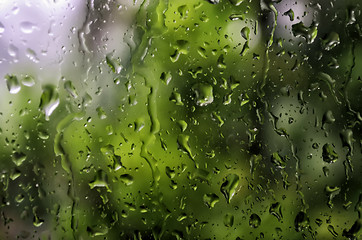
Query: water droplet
(213,1)
(211,199)
(183,144)
(346,136)
(236,16)
(204,94)
(18,158)
(221,62)
(12,83)
(166,77)
(139,124)
(101,113)
(236,2)
(229,186)
(229,220)
(276,210)
(30,53)
(328,118)
(170,173)
(183,11)
(290,14)
(49,100)
(278,161)
(329,155)
(301,221)
(28,81)
(331,193)
(326,171)
(37,222)
(309,33)
(176,98)
(354,231)
(27,27)
(68,85)
(245,32)
(254,220)
(332,231)
(2,28)
(330,41)
(13,51)
(101,180)
(97,230)
(182,124)
(126,179)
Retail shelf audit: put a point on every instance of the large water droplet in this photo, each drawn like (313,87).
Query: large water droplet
(27,27)
(229,186)
(101,180)
(18,158)
(28,81)
(211,199)
(68,85)
(12,83)
(329,155)
(204,94)
(301,221)
(49,100)
(309,33)
(330,41)
(254,220)
(229,220)
(2,28)
(13,51)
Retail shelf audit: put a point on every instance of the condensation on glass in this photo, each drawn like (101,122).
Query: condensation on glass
(196,119)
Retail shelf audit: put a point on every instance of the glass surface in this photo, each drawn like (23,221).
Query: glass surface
(194,119)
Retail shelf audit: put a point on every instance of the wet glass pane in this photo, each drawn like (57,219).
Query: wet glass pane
(195,119)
